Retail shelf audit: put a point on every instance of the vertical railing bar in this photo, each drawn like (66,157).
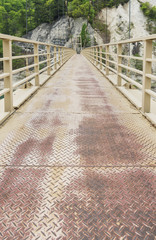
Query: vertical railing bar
(119,69)
(100,57)
(59,57)
(8,97)
(27,73)
(147,69)
(63,55)
(96,55)
(48,60)
(107,59)
(55,66)
(36,61)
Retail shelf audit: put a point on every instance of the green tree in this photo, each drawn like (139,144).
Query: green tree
(150,13)
(13,12)
(81,8)
(85,36)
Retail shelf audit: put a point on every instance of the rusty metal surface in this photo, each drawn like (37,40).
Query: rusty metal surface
(77,203)
(77,161)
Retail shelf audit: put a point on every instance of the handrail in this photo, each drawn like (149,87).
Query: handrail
(131,40)
(23,56)
(112,58)
(52,58)
(25,40)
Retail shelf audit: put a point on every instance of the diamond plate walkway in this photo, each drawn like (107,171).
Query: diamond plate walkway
(77,163)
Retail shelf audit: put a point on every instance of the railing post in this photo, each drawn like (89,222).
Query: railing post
(59,56)
(107,60)
(62,55)
(36,61)
(27,64)
(100,57)
(119,69)
(90,54)
(27,73)
(94,55)
(8,97)
(147,69)
(55,60)
(48,59)
(97,56)
(93,52)
(87,54)
(65,55)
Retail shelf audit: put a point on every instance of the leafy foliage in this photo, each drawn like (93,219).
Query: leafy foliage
(99,4)
(81,8)
(85,36)
(85,8)
(150,13)
(102,29)
(13,12)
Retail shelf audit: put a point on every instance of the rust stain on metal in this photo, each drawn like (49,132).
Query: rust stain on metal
(47,104)
(109,206)
(20,199)
(23,149)
(74,167)
(56,122)
(103,141)
(46,145)
(39,121)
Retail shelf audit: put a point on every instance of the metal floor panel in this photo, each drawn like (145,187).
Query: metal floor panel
(60,139)
(77,203)
(77,162)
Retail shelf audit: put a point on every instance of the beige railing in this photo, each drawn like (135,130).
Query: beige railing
(132,73)
(45,60)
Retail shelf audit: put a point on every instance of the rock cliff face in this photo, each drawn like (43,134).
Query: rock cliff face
(64,32)
(118,20)
(118,25)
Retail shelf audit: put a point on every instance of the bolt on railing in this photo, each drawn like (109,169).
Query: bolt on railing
(54,58)
(114,60)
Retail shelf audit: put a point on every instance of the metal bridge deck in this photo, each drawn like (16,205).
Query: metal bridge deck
(77,162)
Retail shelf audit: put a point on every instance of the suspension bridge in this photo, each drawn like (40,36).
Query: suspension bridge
(78,142)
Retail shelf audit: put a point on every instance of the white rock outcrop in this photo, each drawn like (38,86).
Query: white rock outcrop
(64,32)
(118,20)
